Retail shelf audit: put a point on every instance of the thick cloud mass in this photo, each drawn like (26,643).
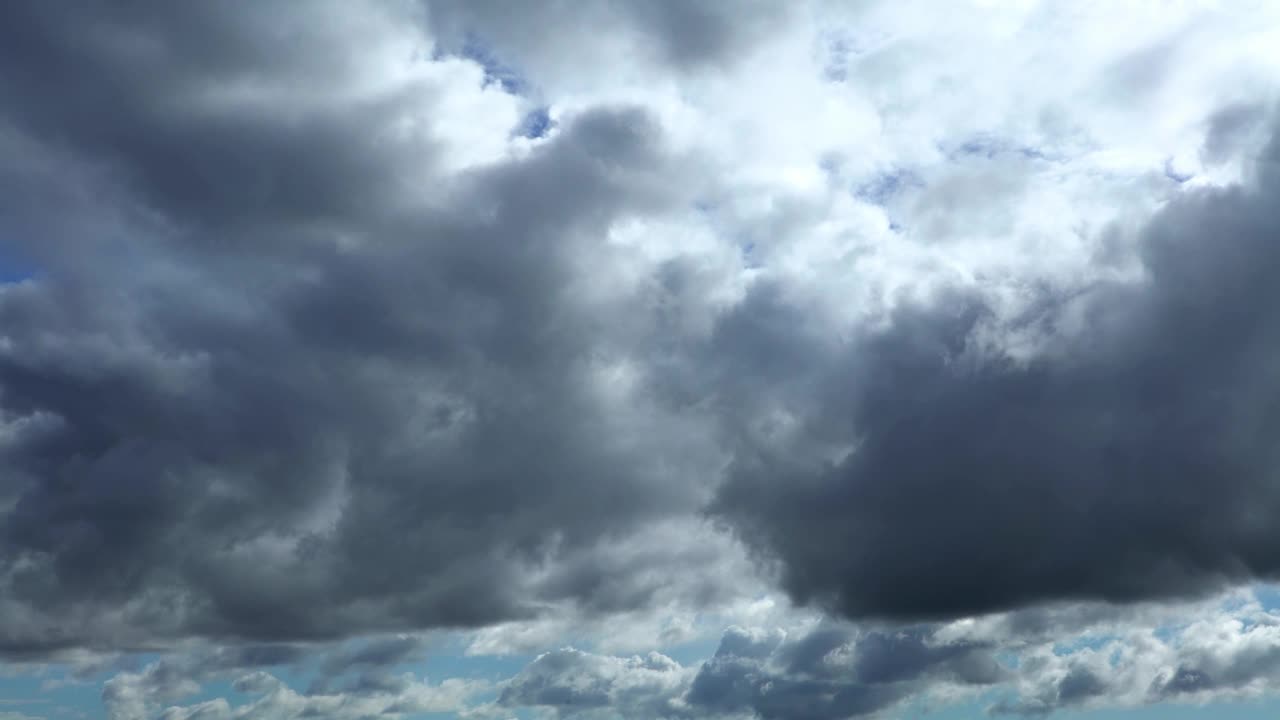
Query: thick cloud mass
(346,348)
(1131,455)
(285,370)
(538,317)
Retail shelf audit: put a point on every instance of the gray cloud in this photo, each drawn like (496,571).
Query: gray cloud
(1129,457)
(1233,129)
(407,697)
(558,38)
(301,359)
(358,677)
(137,693)
(372,662)
(280,374)
(831,672)
(1211,651)
(1076,687)
(573,682)
(834,672)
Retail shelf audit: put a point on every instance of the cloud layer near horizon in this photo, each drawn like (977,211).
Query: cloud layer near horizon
(1026,664)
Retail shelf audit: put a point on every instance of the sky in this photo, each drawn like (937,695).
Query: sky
(639,360)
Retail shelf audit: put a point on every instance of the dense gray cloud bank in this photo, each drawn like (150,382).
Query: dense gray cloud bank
(1131,455)
(305,334)
(277,375)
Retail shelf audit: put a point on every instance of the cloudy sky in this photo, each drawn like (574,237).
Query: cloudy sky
(639,359)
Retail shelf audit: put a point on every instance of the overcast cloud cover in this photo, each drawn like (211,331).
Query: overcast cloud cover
(638,358)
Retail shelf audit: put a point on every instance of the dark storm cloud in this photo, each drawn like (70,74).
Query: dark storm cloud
(279,376)
(129,85)
(1134,456)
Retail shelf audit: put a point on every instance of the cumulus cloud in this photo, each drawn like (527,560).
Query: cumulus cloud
(573,682)
(608,325)
(303,376)
(1226,651)
(356,679)
(1023,663)
(834,672)
(1094,656)
(826,672)
(276,701)
(1128,455)
(138,693)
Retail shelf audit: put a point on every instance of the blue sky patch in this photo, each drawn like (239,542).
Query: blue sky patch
(495,70)
(536,124)
(884,187)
